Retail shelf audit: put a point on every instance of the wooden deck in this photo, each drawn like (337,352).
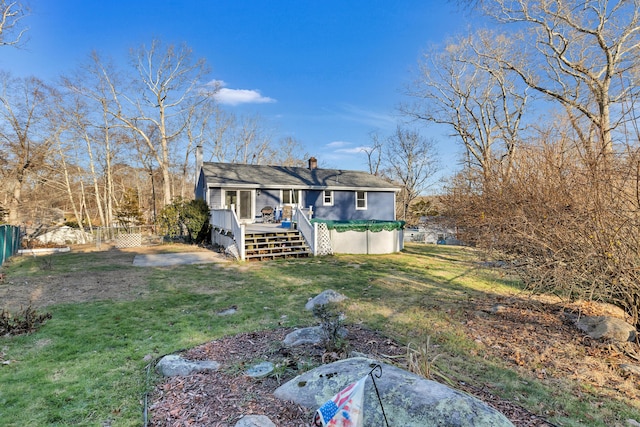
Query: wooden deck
(259,227)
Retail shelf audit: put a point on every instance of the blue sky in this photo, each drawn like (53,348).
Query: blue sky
(325,72)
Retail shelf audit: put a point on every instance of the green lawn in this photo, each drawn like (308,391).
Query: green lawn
(87,365)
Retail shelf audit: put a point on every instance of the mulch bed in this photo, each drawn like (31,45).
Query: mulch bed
(221,398)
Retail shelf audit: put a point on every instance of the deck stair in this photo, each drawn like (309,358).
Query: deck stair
(275,244)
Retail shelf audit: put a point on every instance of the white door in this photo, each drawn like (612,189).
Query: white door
(242,201)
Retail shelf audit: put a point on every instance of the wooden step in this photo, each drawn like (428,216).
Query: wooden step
(277,244)
(298,254)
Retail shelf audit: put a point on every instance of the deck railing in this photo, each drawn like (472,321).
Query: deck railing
(309,231)
(226,221)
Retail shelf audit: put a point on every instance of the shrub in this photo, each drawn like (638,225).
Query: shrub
(23,322)
(186,218)
(568,228)
(128,213)
(332,324)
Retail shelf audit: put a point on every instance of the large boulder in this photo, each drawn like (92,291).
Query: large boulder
(606,327)
(409,400)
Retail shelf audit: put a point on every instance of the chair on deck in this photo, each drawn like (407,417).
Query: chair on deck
(267,214)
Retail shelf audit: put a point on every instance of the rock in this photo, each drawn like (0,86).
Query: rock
(311,335)
(606,327)
(357,354)
(633,369)
(498,309)
(173,365)
(632,423)
(255,421)
(324,298)
(494,264)
(260,370)
(409,400)
(229,311)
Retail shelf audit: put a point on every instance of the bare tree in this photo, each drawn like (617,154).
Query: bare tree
(89,111)
(165,96)
(374,153)
(67,173)
(220,134)
(288,151)
(583,54)
(410,160)
(251,141)
(11,31)
(198,125)
(24,140)
(464,87)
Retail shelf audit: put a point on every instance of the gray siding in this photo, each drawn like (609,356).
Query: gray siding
(380,205)
(267,198)
(200,191)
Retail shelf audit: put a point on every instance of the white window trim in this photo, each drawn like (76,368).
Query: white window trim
(298,196)
(364,208)
(324,198)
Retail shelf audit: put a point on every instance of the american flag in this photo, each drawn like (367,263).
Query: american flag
(345,408)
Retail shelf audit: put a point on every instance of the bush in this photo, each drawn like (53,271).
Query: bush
(186,218)
(332,324)
(128,213)
(568,227)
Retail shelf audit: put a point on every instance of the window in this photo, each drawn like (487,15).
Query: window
(290,197)
(361,200)
(327,197)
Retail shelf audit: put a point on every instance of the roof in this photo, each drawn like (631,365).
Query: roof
(263,176)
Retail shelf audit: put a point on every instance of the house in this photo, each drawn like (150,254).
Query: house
(331,194)
(241,198)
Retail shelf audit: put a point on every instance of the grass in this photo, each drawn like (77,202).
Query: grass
(87,365)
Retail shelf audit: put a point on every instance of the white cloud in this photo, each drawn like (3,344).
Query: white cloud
(228,96)
(351,150)
(338,144)
(344,147)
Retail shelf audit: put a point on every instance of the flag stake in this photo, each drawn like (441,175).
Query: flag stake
(378,374)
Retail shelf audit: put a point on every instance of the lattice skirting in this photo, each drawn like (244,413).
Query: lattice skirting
(129,240)
(324,240)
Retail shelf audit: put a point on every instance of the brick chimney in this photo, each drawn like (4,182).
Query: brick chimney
(313,163)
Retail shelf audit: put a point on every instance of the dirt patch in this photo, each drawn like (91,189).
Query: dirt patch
(73,287)
(120,282)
